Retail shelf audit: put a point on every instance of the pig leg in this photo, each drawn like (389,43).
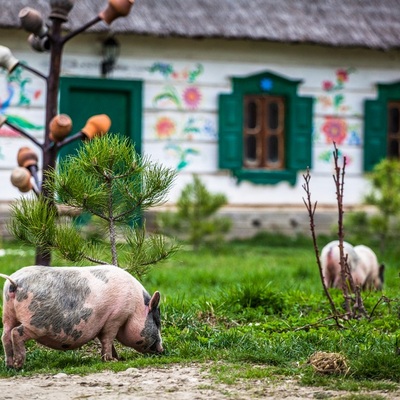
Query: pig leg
(19,336)
(114,353)
(8,346)
(106,337)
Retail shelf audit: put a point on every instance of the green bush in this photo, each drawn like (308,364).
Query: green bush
(195,219)
(382,226)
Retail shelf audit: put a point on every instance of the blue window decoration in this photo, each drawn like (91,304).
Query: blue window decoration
(266,84)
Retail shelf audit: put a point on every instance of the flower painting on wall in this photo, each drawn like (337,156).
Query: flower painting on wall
(339,123)
(173,92)
(192,97)
(335,130)
(334,91)
(335,126)
(179,100)
(165,128)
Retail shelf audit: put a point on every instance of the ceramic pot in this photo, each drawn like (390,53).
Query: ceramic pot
(60,126)
(116,9)
(97,125)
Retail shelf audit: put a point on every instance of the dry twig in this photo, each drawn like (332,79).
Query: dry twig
(311,211)
(348,285)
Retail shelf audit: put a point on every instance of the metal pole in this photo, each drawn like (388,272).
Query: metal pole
(50,152)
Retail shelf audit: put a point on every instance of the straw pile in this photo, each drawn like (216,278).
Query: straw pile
(328,363)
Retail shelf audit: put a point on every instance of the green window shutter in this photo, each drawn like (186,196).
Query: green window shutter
(375,140)
(299,138)
(230,127)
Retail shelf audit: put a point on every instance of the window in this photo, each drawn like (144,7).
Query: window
(382,125)
(265,129)
(264,132)
(393,129)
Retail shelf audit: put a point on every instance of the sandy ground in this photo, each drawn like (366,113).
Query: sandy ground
(172,383)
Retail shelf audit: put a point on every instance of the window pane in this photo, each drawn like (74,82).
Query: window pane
(272,149)
(393,120)
(251,148)
(251,114)
(273,115)
(393,148)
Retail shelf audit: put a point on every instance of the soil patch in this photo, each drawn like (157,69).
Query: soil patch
(174,382)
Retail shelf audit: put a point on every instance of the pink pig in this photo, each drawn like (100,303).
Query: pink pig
(371,269)
(65,307)
(364,267)
(330,263)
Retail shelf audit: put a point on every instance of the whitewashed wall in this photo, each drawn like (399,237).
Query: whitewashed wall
(182,80)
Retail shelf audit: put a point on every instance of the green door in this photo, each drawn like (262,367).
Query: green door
(121,100)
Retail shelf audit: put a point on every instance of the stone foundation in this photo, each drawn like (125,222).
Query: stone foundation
(246,221)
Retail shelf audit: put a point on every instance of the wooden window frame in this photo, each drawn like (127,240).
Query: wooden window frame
(263,132)
(393,137)
(298,122)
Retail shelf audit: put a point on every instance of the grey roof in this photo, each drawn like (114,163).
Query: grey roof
(361,23)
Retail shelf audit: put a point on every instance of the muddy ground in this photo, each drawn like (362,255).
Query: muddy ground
(172,382)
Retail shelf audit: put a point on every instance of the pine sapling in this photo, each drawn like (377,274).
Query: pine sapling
(109,180)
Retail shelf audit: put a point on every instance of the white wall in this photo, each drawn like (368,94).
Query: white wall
(181,132)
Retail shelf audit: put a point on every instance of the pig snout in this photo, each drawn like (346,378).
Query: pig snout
(156,348)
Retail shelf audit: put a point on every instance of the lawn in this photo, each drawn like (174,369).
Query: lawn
(250,303)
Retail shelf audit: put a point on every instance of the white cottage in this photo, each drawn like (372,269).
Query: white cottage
(245,94)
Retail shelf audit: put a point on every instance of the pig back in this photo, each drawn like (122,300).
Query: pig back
(330,262)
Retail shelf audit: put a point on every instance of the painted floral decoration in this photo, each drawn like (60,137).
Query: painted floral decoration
(167,96)
(327,156)
(191,129)
(192,97)
(342,75)
(181,154)
(327,86)
(164,69)
(167,71)
(334,89)
(165,128)
(335,130)
(353,136)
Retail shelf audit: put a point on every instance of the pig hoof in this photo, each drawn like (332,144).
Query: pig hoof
(108,358)
(18,364)
(14,366)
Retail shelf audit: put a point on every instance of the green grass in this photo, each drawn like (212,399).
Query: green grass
(259,306)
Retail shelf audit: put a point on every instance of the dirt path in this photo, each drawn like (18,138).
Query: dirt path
(172,383)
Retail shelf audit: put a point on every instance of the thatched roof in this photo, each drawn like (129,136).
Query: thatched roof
(362,23)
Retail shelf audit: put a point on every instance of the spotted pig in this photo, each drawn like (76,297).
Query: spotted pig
(65,307)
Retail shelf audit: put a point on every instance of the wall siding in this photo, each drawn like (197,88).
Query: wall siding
(182,81)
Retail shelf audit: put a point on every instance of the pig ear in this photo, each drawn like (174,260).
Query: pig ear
(154,301)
